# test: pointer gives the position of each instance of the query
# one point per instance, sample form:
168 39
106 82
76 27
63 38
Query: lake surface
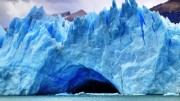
91 98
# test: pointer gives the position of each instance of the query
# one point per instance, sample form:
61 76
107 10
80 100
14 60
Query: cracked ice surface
137 50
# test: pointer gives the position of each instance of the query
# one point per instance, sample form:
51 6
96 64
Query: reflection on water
91 98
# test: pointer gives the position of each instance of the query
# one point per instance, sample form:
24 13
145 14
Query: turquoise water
91 98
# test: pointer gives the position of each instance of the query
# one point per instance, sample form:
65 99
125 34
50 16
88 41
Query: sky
19 8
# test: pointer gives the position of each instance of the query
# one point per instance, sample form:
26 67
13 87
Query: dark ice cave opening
94 86
88 80
75 79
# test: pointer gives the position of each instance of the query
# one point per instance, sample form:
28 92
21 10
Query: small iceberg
171 94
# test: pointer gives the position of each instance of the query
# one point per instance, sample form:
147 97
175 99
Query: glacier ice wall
137 50
2 34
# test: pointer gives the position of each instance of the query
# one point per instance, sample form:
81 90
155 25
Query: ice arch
75 79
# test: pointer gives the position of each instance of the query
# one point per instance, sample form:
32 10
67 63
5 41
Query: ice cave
79 79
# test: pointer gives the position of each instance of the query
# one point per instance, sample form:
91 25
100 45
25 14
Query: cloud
13 8
63 1
4 18
17 0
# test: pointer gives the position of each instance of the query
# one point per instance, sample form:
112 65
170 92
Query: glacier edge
137 50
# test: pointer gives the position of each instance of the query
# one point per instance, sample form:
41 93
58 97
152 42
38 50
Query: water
91 98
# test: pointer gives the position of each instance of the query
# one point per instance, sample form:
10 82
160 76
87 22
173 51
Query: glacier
2 34
133 48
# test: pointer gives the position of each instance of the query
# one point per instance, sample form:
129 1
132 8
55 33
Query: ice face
2 34
133 48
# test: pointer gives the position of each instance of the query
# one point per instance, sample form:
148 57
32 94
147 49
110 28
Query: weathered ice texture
2 34
134 49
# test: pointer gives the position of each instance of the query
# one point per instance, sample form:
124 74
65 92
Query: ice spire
36 13
114 4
